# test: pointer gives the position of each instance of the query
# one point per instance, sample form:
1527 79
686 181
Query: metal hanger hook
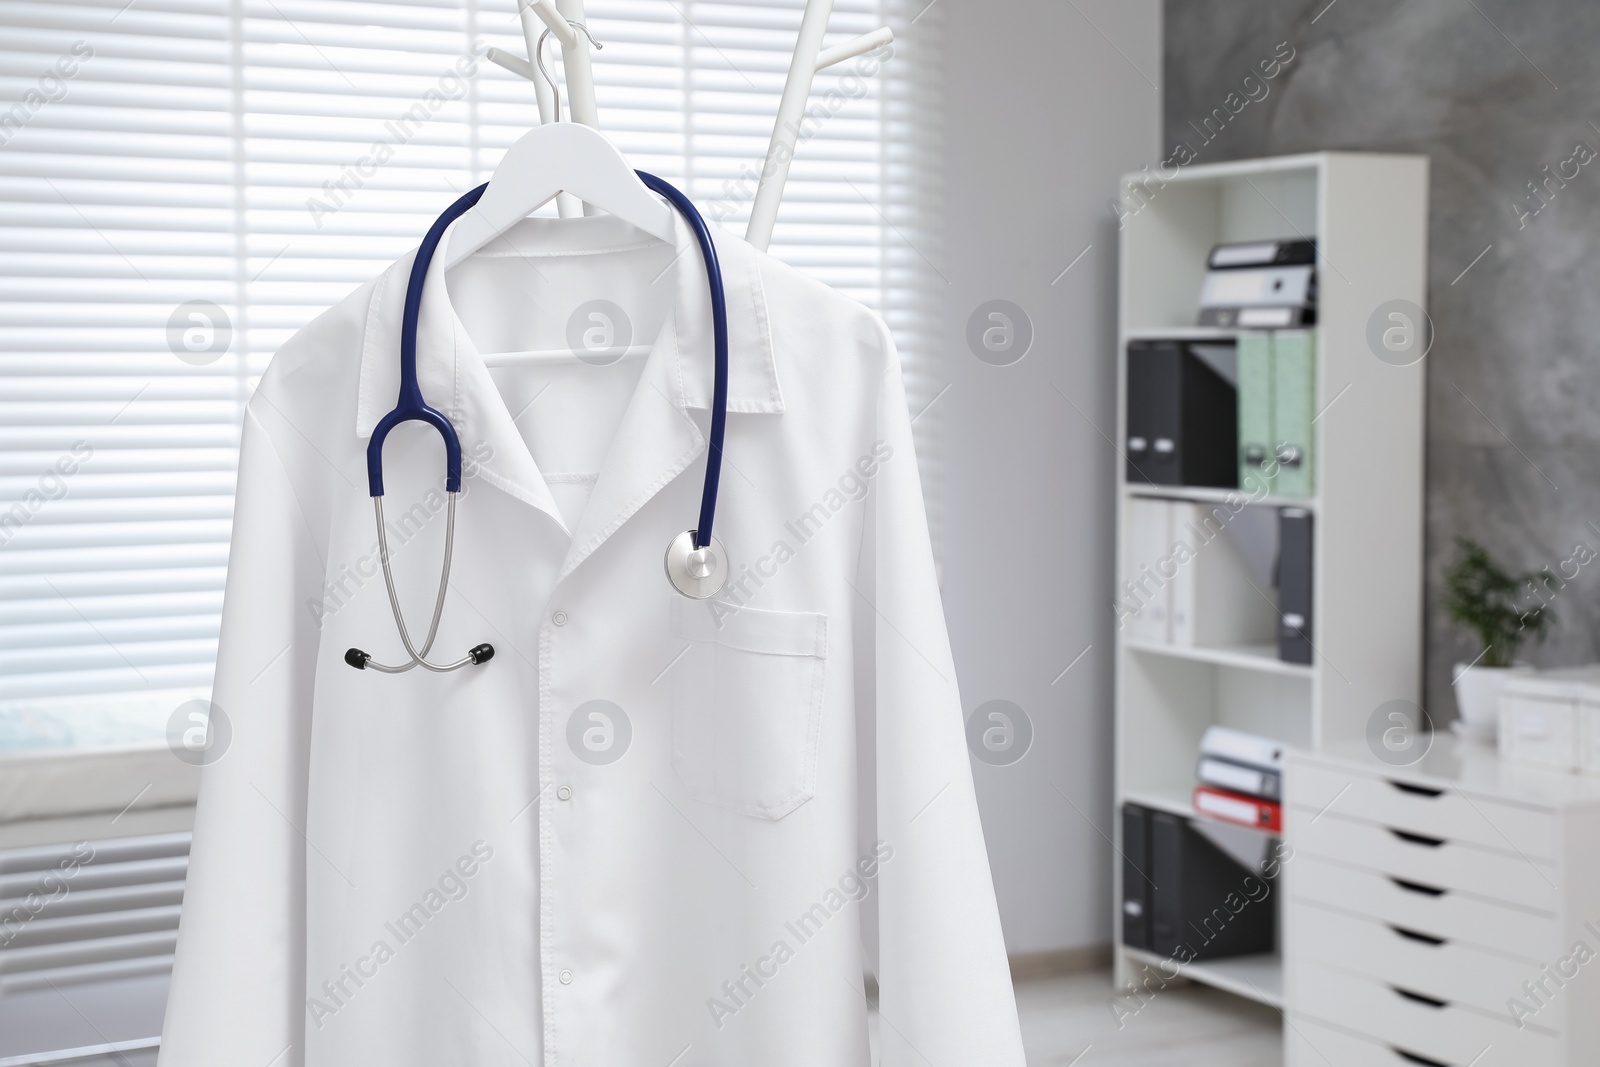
538 59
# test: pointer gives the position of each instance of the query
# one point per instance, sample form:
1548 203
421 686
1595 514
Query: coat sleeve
945 983
237 993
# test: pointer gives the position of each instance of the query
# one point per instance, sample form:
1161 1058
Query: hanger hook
538 59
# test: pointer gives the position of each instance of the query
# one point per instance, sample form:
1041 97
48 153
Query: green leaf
1502 610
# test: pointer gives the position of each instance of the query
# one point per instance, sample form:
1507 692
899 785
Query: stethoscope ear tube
478 654
719 334
410 407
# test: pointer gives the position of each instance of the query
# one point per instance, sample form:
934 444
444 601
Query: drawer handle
1420 999
1417 935
1412 1057
1417 839
1417 887
1416 791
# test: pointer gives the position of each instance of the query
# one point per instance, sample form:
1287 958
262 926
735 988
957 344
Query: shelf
1258 978
1179 804
1262 658
1173 803
1306 162
1208 495
1182 333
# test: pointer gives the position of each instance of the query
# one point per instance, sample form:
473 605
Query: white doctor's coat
649 831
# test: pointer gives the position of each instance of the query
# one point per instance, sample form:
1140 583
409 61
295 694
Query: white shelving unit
1207 495
1243 657
1368 214
1258 978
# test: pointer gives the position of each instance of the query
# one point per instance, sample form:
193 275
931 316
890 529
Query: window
185 183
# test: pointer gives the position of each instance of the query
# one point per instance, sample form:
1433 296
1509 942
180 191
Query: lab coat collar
679 370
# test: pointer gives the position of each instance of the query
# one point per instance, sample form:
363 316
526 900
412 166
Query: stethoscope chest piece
697 573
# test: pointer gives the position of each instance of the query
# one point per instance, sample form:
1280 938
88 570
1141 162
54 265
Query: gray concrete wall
1494 92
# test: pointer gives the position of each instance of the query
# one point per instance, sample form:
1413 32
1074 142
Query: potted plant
1483 598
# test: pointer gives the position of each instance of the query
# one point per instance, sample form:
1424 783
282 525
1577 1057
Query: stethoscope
696 563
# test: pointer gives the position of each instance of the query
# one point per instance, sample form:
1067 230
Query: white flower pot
1478 698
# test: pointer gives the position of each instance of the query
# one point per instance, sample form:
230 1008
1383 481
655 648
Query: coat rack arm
809 57
785 129
857 46
579 66
515 64
542 92
551 16
576 61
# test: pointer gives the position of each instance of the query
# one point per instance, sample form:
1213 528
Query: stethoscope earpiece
697 566
362 660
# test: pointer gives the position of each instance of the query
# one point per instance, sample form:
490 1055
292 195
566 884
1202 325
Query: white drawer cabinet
1311 1042
1497 874
1444 914
1425 908
1429 810
1442 968
1421 1026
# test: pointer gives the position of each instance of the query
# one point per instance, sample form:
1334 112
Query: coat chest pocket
747 705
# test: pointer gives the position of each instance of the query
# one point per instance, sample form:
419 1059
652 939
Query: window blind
185 183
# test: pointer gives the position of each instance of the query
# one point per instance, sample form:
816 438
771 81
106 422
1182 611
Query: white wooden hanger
809 58
557 157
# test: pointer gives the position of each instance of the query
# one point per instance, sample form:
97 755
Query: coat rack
560 16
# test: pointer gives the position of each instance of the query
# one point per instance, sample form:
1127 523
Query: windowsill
114 780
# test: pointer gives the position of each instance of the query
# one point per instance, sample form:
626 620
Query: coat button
566 977
564 792
559 618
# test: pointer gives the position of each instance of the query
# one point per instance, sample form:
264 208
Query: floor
1069 1022
1066 1022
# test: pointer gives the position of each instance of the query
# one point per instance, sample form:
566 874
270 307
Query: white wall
1043 112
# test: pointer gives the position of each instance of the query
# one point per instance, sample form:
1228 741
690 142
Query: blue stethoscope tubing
412 407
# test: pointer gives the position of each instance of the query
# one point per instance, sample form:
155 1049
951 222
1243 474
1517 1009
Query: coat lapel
453 379
664 428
